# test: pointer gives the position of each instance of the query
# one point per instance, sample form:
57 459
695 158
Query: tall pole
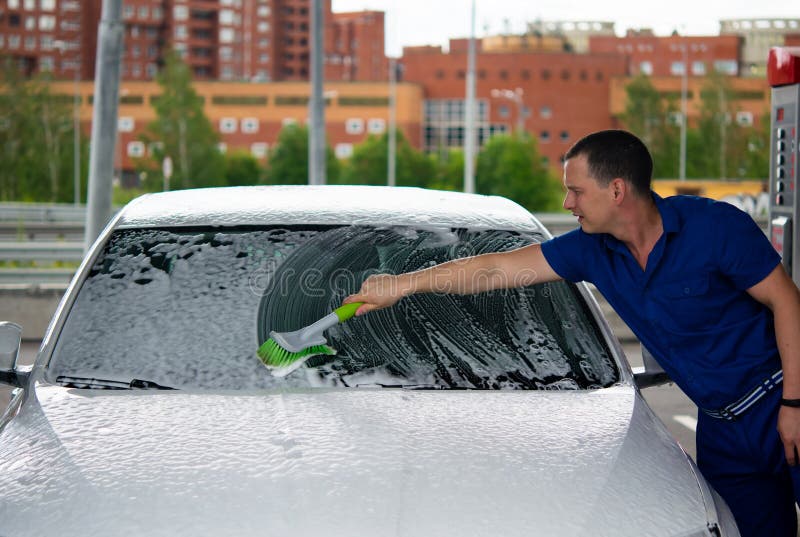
469 113
104 122
316 133
391 179
76 135
684 113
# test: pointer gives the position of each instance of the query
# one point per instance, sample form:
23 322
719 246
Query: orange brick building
557 96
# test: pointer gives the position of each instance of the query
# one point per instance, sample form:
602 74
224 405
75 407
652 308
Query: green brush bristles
282 362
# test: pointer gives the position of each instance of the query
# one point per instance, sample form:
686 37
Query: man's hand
789 429
377 292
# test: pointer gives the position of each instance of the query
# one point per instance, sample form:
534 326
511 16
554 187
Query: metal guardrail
35 276
41 212
52 252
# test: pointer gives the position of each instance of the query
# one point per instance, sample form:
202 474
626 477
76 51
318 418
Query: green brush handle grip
347 311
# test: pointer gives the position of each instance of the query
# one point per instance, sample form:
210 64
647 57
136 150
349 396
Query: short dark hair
616 153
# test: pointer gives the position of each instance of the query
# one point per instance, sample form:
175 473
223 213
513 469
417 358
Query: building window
13 4
47 5
503 75
263 42
503 111
677 68
545 74
354 126
125 124
45 62
225 53
564 136
288 121
13 41
152 70
343 151
545 112
128 11
699 68
565 74
226 35
727 67
263 11
584 75
30 42
227 73
250 125
181 32
226 16
30 23
181 13
263 57
525 74
136 70
227 125
30 5
157 13
263 27
646 68
136 149
144 12
376 125
744 118
440 74
259 149
544 136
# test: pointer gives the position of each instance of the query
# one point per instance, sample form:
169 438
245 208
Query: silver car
505 413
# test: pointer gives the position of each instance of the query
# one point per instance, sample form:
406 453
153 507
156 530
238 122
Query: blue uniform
690 309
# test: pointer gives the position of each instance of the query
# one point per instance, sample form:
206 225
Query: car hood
358 462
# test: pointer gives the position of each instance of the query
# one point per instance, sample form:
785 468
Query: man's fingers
791 453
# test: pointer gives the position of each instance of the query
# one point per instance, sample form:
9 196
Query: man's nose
568 202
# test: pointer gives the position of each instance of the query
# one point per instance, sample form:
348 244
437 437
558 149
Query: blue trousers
744 461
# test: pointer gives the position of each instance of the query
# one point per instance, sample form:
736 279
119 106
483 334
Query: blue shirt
689 306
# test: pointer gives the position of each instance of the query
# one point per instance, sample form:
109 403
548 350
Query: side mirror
651 373
10 338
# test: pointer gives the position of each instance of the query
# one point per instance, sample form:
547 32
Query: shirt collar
670 221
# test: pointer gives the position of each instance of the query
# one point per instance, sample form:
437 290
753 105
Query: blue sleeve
565 255
745 254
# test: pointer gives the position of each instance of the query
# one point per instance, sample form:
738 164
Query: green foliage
182 132
242 168
369 164
450 171
647 115
511 166
717 147
288 159
36 141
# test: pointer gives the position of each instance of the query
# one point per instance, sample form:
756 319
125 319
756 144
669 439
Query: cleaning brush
284 352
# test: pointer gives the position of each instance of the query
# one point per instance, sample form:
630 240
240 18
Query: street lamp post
514 95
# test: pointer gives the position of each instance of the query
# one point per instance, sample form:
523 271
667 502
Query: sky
433 22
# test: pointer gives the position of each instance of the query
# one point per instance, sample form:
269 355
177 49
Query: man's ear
619 188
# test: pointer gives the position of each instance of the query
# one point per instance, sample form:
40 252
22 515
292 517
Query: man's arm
516 268
779 293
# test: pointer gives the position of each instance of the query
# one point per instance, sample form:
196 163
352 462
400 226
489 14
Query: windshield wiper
411 386
102 384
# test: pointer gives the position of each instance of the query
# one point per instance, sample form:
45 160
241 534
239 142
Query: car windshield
188 308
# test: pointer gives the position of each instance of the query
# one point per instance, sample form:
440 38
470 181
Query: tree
450 171
511 166
648 115
36 140
182 132
242 168
288 159
369 164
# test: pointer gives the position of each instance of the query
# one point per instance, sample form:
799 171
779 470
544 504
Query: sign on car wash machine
783 73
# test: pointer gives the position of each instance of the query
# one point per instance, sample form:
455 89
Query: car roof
325 205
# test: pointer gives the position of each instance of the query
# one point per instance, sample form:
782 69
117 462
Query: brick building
256 40
248 116
650 55
557 96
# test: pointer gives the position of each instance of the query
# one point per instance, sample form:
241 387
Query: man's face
591 202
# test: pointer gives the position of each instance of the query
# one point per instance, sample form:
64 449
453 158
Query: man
702 288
